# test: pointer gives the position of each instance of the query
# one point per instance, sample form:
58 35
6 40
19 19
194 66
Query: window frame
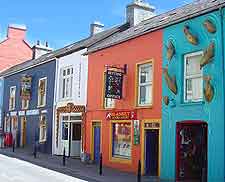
45 95
23 104
14 103
41 125
151 83
71 67
185 77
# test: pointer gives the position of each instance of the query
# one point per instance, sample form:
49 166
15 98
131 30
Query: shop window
193 78
43 129
65 130
109 103
42 89
145 84
12 98
25 104
76 131
66 82
121 144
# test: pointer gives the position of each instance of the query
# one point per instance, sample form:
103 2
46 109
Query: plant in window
208 90
171 82
210 27
207 55
190 37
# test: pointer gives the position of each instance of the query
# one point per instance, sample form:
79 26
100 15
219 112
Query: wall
131 52
44 70
1 98
212 113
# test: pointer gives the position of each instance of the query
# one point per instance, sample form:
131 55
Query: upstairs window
43 129
193 78
12 98
66 82
42 90
145 84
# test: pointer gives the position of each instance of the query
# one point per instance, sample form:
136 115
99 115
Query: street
14 170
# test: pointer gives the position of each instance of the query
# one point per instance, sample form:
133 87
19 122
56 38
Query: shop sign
44 111
33 112
121 115
136 132
114 84
25 91
21 113
14 113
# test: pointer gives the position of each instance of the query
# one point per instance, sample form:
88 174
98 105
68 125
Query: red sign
121 115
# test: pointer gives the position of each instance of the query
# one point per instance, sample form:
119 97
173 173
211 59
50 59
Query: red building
14 49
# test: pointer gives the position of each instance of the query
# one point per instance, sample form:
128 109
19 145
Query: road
14 170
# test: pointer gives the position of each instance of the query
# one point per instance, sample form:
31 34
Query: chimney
96 27
39 49
16 32
139 11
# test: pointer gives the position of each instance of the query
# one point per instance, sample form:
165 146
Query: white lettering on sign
13 113
44 111
21 113
33 112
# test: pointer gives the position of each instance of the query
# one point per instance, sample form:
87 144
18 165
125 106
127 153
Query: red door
191 151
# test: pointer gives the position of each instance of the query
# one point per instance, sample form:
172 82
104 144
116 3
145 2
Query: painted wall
1 98
79 93
212 113
131 52
44 70
14 49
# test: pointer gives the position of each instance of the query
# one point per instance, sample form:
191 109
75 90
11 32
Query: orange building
126 130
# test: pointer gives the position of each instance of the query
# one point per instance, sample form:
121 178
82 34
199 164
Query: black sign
114 84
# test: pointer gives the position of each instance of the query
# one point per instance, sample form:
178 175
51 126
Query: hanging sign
114 84
25 91
136 132
121 115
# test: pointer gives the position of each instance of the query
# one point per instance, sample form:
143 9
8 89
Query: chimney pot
96 27
46 44
38 42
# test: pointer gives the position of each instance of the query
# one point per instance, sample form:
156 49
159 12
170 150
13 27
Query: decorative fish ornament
171 82
166 100
190 37
210 27
208 90
170 51
207 55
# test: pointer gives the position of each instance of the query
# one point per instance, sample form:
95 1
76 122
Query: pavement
75 168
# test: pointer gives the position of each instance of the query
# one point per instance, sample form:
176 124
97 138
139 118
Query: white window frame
71 79
45 95
199 53
23 102
12 105
139 66
41 125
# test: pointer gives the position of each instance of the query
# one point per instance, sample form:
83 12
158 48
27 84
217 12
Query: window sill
120 160
41 106
42 142
192 103
144 107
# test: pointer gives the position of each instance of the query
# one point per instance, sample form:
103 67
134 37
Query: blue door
151 152
97 142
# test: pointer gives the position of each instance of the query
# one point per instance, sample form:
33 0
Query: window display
121 146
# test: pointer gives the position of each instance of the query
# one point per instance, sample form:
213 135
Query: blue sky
61 22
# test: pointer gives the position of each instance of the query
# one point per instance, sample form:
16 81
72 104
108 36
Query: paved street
14 170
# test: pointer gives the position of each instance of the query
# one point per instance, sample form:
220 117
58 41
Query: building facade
124 130
28 105
193 99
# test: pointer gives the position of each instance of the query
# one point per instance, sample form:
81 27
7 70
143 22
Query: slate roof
84 43
174 16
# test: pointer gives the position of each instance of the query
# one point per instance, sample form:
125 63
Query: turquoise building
193 99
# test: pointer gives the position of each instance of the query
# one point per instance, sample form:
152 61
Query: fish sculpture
166 100
190 37
210 27
208 90
171 82
207 55
170 51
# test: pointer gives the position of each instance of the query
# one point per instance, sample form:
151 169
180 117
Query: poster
136 132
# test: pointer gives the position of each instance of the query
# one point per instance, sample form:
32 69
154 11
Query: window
42 88
145 84
121 144
193 78
109 103
66 82
7 124
43 129
25 104
12 98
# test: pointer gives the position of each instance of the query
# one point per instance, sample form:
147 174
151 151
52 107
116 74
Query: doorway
191 150
151 152
23 131
96 141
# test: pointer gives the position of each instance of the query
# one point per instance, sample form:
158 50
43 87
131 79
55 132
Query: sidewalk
74 167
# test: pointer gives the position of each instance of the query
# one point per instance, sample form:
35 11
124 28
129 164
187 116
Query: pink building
14 49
